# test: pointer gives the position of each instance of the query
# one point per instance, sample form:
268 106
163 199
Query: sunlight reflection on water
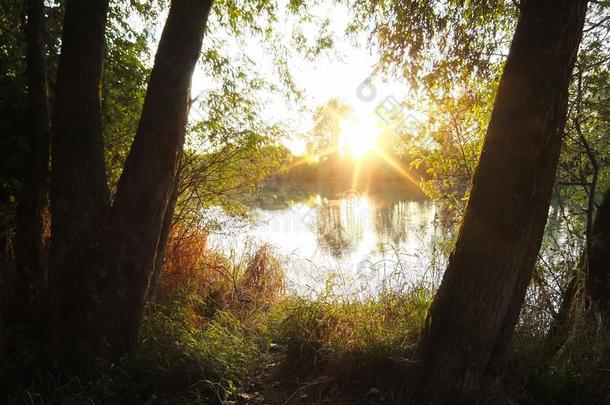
356 245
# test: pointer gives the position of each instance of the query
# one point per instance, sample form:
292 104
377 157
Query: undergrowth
180 359
365 338
217 326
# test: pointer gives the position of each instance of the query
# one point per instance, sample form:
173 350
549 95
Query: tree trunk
107 323
29 249
598 278
79 192
163 239
3 349
6 264
478 303
145 187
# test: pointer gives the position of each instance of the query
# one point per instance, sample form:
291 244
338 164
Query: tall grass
353 338
250 283
176 362
220 319
570 365
201 340
219 323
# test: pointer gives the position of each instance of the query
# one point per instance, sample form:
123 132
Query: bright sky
337 73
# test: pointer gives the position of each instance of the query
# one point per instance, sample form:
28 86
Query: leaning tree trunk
145 187
4 361
477 305
79 192
168 219
107 324
598 277
29 249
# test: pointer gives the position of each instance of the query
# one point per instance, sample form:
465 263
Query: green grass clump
185 354
369 338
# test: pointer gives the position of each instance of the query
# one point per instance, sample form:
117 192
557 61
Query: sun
297 146
358 136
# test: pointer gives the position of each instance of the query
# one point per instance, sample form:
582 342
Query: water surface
358 242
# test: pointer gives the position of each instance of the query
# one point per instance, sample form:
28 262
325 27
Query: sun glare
297 146
358 136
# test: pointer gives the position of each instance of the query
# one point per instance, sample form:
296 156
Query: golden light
358 136
297 146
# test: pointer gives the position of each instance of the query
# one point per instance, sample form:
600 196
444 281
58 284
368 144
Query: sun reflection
355 205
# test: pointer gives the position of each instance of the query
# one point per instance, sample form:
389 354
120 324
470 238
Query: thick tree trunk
79 192
3 350
145 187
479 300
29 249
598 277
4 293
107 323
163 239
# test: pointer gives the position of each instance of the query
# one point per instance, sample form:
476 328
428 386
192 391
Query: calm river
351 242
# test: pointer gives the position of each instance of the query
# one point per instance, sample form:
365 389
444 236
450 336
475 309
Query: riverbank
239 339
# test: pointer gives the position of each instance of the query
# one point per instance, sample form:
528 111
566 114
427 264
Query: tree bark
5 259
3 349
478 303
145 187
163 239
79 192
29 248
598 277
108 321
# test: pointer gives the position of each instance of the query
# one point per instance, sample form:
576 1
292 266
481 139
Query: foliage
583 172
13 110
582 175
449 145
229 148
125 76
439 44
324 138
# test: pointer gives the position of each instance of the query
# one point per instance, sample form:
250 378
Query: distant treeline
370 170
